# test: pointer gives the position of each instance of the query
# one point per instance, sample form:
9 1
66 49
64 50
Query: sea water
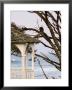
50 70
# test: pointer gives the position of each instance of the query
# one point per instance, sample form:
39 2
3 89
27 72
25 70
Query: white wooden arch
25 73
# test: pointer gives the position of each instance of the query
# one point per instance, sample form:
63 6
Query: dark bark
56 47
57 65
42 69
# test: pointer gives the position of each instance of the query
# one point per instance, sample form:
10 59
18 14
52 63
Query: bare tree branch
46 45
42 68
51 62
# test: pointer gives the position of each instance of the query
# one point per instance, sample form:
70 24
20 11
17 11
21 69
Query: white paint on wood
32 57
33 54
26 73
22 48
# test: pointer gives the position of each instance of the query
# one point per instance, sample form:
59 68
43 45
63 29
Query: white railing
22 74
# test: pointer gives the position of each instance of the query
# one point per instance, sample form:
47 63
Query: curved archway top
22 48
15 49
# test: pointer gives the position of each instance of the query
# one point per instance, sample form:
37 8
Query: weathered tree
53 25
52 20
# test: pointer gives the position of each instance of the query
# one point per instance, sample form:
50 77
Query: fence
22 73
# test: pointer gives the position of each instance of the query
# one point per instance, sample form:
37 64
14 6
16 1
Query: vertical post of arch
26 60
22 48
33 54
33 57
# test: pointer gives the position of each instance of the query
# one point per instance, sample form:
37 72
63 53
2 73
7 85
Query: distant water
48 68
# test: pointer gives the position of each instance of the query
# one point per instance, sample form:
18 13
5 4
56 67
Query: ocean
50 70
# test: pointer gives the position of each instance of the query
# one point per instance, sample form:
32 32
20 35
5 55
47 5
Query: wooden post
22 49
33 57
33 60
26 60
